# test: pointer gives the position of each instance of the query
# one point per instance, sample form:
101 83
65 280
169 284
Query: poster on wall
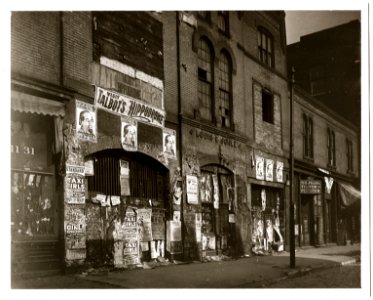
178 192
89 168
74 227
86 125
192 189
173 243
131 238
144 220
124 178
259 168
279 171
269 170
198 227
158 224
206 188
176 216
169 143
216 191
74 185
129 134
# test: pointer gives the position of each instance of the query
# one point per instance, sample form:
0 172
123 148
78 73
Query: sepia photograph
188 149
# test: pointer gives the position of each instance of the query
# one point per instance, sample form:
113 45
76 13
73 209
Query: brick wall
35 45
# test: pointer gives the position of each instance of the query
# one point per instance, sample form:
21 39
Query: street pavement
245 272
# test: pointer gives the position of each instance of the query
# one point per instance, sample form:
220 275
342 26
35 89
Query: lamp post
291 177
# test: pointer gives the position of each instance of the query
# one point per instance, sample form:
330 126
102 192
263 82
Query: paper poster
174 244
216 191
205 188
259 167
74 188
158 224
232 218
263 196
192 189
129 225
144 217
124 178
169 143
86 125
129 134
131 238
75 227
279 171
115 200
88 168
76 254
178 192
269 170
198 227
176 216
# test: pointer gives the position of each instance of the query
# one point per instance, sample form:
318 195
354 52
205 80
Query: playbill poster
169 143
129 134
86 122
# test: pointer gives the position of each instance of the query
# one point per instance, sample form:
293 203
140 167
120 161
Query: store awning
349 194
33 104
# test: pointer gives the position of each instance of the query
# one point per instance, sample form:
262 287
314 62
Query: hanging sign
328 184
216 191
269 170
123 105
85 120
192 189
169 143
259 167
129 134
279 171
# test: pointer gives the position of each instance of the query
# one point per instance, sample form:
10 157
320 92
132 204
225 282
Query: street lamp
291 177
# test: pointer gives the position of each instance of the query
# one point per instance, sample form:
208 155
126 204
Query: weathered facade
152 135
327 174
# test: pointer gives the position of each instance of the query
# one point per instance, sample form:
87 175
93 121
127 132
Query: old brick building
139 136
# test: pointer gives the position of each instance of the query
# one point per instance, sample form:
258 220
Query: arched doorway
217 205
124 185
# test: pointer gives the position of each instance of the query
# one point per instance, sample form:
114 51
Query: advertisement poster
130 236
74 185
123 105
76 254
75 227
169 143
158 224
178 192
124 178
192 189
279 171
129 134
269 170
88 168
206 188
231 218
198 227
86 125
176 215
115 200
259 167
174 244
144 219
216 191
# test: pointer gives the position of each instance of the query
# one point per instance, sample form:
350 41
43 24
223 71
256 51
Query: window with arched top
225 89
205 79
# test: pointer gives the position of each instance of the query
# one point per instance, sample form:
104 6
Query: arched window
225 89
205 79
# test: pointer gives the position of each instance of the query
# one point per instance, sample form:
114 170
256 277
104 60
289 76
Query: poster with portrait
259 168
192 189
279 171
129 134
169 143
215 184
85 120
269 170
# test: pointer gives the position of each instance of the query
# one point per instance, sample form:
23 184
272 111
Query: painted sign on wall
123 105
86 122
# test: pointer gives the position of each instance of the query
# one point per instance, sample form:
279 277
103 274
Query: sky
299 23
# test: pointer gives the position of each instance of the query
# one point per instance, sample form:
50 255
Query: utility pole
291 204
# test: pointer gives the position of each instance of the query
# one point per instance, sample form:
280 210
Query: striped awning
34 104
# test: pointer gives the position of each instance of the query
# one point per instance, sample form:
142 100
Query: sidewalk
247 272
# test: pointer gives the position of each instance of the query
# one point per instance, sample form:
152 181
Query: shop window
307 137
225 90
205 79
267 107
331 147
33 205
265 47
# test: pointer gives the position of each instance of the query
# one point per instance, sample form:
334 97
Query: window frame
307 133
225 88
223 15
265 52
268 117
331 148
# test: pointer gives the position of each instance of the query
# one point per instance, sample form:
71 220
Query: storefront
35 201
